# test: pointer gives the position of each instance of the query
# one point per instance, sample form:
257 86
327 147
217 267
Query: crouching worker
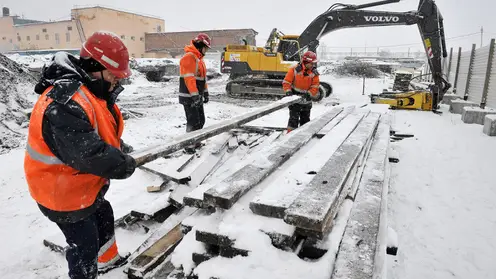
193 89
303 80
74 149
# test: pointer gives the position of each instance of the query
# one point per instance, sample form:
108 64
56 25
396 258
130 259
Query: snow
491 117
392 238
441 200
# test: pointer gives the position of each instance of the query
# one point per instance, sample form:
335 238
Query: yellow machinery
415 100
259 71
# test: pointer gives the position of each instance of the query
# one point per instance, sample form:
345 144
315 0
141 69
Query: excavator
257 72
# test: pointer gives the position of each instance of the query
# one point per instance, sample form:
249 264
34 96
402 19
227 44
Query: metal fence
471 74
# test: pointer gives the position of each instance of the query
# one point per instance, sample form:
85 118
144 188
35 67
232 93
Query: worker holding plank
74 149
303 79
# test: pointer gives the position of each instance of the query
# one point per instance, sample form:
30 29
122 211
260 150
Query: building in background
18 34
171 44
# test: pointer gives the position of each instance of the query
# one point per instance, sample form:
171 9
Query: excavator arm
427 17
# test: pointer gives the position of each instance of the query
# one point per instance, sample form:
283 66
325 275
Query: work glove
130 166
196 101
205 97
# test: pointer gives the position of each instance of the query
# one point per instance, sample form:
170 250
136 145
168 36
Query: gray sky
290 16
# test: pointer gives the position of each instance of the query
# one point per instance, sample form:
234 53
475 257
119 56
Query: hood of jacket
191 48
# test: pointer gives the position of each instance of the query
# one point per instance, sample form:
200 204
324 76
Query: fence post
488 74
449 64
469 75
457 69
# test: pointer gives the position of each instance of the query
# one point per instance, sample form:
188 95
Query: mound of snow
16 96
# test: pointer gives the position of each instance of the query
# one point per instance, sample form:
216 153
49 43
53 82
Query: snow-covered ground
441 195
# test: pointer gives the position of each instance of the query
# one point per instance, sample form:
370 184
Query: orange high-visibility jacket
54 184
297 80
193 74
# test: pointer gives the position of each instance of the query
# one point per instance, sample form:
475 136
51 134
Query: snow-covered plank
317 204
149 154
172 176
197 176
228 191
159 245
278 196
361 254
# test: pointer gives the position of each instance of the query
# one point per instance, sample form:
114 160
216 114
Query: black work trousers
195 117
85 238
299 115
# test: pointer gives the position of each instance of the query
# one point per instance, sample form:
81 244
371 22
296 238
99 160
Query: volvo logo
382 18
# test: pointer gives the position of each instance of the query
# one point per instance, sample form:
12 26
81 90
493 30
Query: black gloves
205 97
196 101
130 167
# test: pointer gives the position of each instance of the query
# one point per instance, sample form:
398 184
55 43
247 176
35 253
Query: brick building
172 43
19 34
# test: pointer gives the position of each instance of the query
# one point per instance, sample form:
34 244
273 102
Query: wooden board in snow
278 196
152 153
362 251
316 206
229 190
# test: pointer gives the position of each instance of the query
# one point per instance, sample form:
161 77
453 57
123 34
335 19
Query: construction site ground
440 200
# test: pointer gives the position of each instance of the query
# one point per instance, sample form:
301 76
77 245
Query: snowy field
441 201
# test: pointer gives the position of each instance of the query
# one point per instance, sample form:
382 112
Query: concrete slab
490 125
473 115
447 98
457 106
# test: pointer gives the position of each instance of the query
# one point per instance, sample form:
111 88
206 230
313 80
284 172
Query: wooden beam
178 179
316 206
149 154
228 191
361 244
278 196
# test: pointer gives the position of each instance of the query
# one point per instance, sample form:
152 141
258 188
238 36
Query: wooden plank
277 197
149 154
360 245
197 176
317 204
228 191
176 177
159 245
181 163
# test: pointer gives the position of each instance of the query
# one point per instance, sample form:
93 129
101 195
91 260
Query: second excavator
257 72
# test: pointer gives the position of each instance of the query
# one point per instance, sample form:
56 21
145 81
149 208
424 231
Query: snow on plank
152 153
278 196
197 176
195 197
360 245
159 245
318 203
227 192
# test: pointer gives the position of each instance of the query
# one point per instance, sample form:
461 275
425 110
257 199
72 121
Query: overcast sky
462 17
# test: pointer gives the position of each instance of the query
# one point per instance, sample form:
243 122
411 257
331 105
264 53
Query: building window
142 39
142 56
67 37
28 38
69 28
37 37
132 38
123 37
44 30
4 38
57 39
18 38
159 28
47 37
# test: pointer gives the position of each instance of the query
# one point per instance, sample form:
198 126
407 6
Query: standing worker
303 79
74 149
193 89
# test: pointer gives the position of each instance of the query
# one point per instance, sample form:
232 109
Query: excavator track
263 89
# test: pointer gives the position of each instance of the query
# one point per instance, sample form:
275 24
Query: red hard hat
108 49
204 38
309 57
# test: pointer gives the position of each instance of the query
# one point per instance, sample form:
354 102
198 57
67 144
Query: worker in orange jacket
74 148
303 80
193 88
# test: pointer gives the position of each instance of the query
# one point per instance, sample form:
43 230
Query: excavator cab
290 49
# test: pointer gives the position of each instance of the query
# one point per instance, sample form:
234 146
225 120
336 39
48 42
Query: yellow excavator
257 72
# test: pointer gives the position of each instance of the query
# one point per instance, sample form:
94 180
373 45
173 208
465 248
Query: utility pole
482 35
